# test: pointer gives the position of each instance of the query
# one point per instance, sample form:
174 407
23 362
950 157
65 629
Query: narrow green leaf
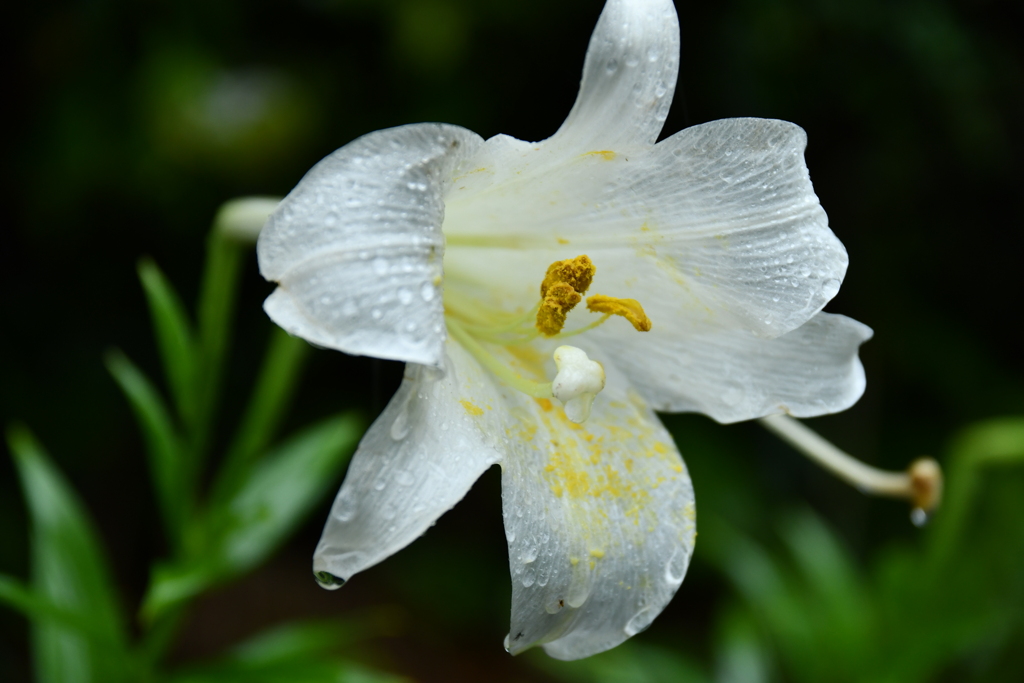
173 335
167 465
217 297
285 487
40 609
274 389
69 573
990 443
631 662
269 505
315 670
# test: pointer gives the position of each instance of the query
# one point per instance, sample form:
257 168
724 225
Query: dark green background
125 135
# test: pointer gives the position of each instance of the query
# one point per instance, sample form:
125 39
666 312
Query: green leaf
268 506
69 574
174 337
217 296
167 464
990 443
274 388
310 671
287 485
631 662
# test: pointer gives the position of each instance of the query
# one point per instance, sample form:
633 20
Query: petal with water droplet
608 522
621 94
348 265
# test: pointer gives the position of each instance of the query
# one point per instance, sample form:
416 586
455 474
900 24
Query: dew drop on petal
733 395
529 577
328 580
829 288
640 621
675 568
427 291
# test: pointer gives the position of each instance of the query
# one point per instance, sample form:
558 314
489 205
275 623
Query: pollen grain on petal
630 309
471 408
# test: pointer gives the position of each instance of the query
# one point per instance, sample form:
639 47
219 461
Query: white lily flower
427 244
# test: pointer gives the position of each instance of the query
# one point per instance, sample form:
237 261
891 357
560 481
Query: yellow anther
563 287
630 309
578 273
560 299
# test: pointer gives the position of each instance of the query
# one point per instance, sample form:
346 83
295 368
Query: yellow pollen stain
630 309
472 408
545 404
629 464
563 287
597 553
660 448
605 154
562 240
592 565
574 561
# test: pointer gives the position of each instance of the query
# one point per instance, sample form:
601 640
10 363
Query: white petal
600 521
737 224
718 226
733 376
628 78
416 462
357 246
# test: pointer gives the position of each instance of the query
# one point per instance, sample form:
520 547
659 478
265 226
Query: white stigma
578 381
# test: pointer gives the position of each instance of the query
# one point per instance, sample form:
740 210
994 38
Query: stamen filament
502 371
585 328
921 483
520 331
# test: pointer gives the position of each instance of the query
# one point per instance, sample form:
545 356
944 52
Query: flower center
490 335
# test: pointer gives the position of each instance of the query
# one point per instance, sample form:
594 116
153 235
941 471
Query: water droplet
380 266
404 296
427 291
529 577
344 507
400 427
733 395
612 66
918 517
377 314
507 649
653 55
632 60
530 555
381 483
675 568
404 478
829 288
579 591
328 580
640 621
331 219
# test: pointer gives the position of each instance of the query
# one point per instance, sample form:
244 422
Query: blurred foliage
133 122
